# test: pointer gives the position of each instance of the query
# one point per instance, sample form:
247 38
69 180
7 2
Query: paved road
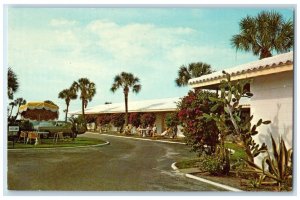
124 165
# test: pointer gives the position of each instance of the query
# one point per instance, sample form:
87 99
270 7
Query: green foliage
78 123
26 126
216 165
126 81
201 135
265 33
277 166
231 93
12 83
172 119
193 70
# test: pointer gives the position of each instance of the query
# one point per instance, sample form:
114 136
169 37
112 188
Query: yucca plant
278 166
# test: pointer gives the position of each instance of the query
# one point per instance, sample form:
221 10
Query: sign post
12 133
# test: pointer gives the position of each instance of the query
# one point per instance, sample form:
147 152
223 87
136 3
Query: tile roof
265 63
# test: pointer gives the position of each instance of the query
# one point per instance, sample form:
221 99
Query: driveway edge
55 148
145 139
226 187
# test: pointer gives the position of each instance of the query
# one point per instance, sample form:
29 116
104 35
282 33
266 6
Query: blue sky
49 48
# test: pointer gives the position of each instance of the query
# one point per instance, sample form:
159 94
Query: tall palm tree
193 70
12 83
126 81
67 95
87 91
19 102
263 34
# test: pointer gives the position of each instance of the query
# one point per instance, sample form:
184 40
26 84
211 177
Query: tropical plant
18 102
135 119
87 92
193 70
215 165
263 34
117 119
13 83
277 166
229 101
26 125
200 134
67 95
148 119
77 124
126 81
172 119
103 119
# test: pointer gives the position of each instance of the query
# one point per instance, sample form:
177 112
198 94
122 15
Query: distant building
160 107
272 86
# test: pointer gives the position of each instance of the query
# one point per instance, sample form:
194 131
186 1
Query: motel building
272 87
159 107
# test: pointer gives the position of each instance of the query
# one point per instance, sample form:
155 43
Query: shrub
90 118
215 165
172 119
103 119
26 126
117 119
148 118
135 119
200 133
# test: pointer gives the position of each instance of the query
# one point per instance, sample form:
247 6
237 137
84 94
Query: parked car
53 127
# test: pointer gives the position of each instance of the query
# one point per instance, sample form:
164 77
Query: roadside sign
13 128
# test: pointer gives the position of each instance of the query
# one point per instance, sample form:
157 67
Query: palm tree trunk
83 115
67 113
12 107
126 106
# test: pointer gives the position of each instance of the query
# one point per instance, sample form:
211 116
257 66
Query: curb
57 148
162 141
226 187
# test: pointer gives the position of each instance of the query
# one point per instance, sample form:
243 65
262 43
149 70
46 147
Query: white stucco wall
273 100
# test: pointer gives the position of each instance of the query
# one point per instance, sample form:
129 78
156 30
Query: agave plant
278 166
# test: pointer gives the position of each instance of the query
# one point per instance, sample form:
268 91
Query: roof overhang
213 83
271 65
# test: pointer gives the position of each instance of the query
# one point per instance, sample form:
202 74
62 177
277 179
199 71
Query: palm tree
126 81
13 83
19 102
67 95
87 91
264 34
12 104
193 70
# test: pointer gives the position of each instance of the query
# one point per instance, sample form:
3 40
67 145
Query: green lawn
48 143
238 155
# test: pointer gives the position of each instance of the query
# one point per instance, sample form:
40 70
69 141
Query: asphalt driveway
124 165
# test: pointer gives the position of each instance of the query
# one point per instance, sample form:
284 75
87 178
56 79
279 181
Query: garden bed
237 178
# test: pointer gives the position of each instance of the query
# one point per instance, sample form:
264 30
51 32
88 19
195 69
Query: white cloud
62 22
136 41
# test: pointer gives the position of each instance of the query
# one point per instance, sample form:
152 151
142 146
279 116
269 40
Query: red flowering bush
201 135
103 119
148 118
135 119
118 120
